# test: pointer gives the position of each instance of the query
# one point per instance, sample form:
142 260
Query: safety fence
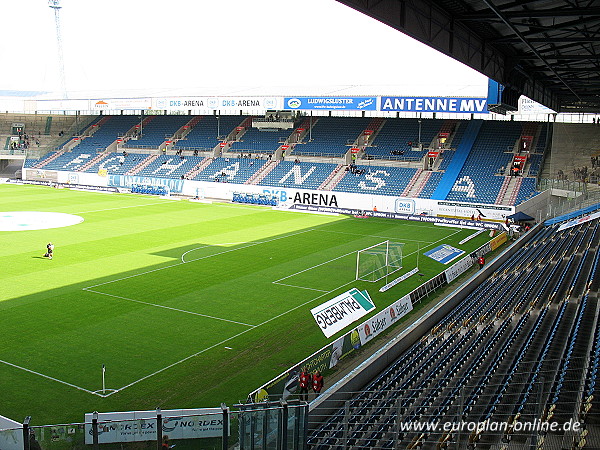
552 413
277 426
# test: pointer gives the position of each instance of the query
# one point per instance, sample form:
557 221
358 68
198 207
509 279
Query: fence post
225 411
539 413
159 428
95 444
284 424
346 424
305 437
26 433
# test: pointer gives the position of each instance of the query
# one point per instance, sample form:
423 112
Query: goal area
378 261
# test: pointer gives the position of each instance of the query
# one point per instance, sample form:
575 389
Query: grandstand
518 343
481 175
513 350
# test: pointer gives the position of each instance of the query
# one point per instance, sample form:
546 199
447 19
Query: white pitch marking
169 307
239 334
299 287
198 259
48 377
122 207
206 349
179 362
211 245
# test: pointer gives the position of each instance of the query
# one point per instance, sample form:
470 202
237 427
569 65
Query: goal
378 261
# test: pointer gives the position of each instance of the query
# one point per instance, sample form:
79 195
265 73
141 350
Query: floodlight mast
55 5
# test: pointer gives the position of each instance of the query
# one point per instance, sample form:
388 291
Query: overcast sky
183 47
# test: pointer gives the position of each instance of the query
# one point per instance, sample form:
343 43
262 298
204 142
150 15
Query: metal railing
452 413
277 426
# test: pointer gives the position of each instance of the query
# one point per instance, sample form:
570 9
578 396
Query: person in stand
317 383
33 442
165 443
304 380
481 262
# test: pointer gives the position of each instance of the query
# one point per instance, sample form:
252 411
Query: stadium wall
288 198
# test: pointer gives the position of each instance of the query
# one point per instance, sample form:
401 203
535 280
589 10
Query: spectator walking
317 383
304 380
481 262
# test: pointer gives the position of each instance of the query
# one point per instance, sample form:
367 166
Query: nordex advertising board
339 312
136 426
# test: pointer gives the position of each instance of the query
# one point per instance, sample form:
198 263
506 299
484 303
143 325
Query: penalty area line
170 308
299 287
200 258
178 362
48 377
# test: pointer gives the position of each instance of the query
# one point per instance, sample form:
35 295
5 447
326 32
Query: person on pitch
49 250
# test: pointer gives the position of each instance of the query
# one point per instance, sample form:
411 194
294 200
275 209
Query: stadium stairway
198 168
261 173
333 179
99 157
147 161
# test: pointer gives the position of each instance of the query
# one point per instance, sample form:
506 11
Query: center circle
36 220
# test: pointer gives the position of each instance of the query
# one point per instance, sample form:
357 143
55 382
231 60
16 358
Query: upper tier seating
332 136
257 141
157 130
208 131
90 146
403 135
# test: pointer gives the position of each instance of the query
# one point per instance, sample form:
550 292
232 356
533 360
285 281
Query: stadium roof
547 50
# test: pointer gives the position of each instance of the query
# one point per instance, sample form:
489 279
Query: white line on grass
48 377
121 207
245 331
169 307
350 253
177 362
299 287
249 329
209 245
389 238
198 259
314 267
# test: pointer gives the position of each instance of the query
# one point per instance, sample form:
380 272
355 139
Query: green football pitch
186 304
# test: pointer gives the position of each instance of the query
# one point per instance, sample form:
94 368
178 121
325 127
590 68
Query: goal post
378 261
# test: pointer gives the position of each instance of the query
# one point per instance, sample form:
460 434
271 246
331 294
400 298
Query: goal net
376 262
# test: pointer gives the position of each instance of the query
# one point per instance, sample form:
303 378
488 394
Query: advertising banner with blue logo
465 105
329 103
128 181
134 426
444 253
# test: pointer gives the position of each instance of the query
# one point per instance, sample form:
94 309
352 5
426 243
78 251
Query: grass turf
186 304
